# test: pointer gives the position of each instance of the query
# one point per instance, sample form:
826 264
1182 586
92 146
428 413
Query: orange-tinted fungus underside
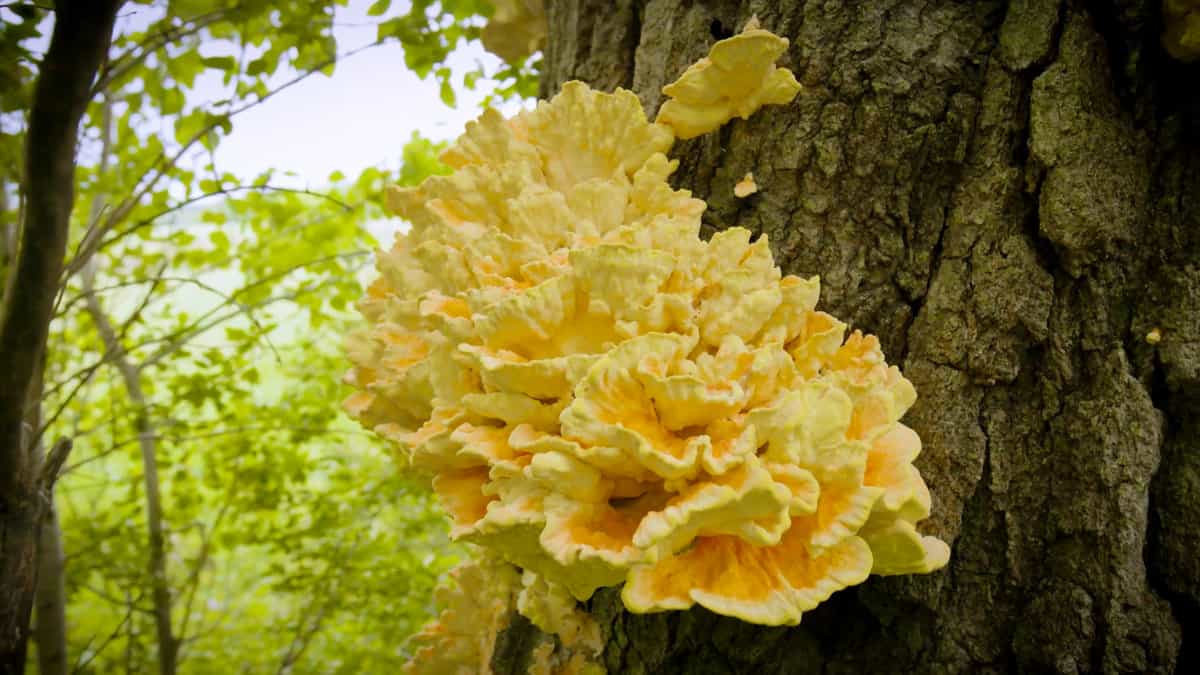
603 528
628 406
462 495
888 458
729 572
724 566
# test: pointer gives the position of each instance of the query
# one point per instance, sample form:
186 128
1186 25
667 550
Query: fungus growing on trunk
475 601
745 187
603 397
738 77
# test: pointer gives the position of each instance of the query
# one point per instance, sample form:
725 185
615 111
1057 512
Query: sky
360 116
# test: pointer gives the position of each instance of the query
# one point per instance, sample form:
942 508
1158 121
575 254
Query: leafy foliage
291 543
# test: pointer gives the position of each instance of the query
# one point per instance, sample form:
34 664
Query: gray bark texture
50 600
1008 195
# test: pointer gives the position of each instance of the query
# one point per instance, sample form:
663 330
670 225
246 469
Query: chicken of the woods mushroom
602 397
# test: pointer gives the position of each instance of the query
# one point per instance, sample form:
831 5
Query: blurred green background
228 198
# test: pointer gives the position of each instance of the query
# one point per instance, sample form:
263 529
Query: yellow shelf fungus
552 609
603 397
745 187
737 77
475 602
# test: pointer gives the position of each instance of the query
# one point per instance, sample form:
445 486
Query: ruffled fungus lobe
475 600
552 609
516 29
1181 29
737 77
604 397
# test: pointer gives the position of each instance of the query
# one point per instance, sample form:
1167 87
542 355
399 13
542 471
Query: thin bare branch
203 323
183 438
81 297
192 584
168 646
145 222
121 65
86 655
163 164
178 339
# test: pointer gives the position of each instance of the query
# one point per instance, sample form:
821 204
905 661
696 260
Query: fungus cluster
475 602
602 397
737 77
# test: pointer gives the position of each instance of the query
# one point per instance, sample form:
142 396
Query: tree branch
87 654
82 32
108 356
223 191
162 165
176 341
137 55
167 644
52 467
193 581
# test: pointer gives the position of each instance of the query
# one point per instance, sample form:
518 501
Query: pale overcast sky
360 116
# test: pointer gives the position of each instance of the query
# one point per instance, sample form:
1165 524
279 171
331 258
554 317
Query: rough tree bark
82 32
50 614
1008 195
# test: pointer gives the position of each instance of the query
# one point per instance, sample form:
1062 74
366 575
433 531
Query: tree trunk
1008 195
82 33
50 615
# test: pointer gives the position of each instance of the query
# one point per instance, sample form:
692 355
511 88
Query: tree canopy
218 514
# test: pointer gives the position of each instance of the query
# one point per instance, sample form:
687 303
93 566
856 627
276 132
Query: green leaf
389 29
189 9
219 240
379 7
257 66
219 62
222 30
446 92
26 12
172 102
184 67
189 125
